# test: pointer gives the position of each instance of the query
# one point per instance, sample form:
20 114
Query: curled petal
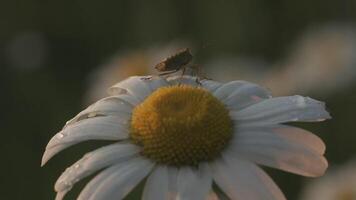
119 106
211 85
92 162
138 86
98 128
237 95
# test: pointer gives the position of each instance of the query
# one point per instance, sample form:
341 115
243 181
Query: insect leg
170 72
197 72
200 73
181 76
183 71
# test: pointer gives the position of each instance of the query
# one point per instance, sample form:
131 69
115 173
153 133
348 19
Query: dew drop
68 184
294 119
60 136
93 114
300 102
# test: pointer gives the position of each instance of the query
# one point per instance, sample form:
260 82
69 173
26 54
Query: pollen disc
181 125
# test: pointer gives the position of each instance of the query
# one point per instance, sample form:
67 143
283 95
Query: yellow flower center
181 125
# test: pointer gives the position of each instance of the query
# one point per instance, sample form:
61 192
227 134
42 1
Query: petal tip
44 160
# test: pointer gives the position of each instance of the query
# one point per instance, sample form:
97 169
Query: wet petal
98 128
280 110
92 162
135 85
117 181
118 106
241 179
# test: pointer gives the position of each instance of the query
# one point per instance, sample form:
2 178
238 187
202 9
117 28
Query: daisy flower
182 137
325 56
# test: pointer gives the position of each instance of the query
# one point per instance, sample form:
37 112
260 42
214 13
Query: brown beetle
179 61
175 62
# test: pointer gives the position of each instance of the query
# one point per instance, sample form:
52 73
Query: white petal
286 148
187 80
277 134
156 187
114 105
172 183
130 99
235 87
156 82
280 110
211 85
241 179
92 162
93 184
117 181
194 184
134 85
237 95
98 128
60 195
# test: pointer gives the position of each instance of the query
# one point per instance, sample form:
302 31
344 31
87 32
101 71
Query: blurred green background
48 49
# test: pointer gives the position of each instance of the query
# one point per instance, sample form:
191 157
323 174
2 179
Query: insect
179 61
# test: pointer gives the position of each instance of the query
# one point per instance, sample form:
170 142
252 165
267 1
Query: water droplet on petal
68 184
93 114
60 136
300 101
